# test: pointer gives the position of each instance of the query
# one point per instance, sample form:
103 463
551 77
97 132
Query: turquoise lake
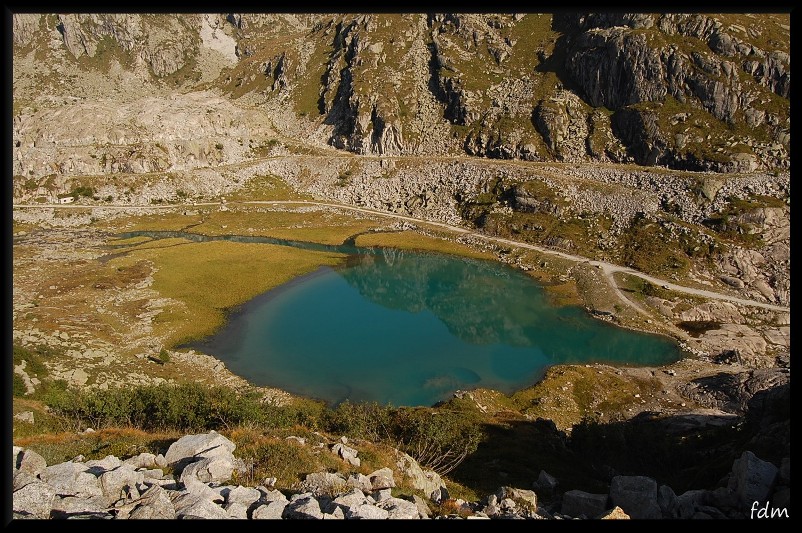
410 329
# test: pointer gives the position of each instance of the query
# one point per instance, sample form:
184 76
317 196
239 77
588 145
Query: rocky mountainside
98 93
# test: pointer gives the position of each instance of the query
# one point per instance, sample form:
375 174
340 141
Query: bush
83 191
17 385
438 439
368 421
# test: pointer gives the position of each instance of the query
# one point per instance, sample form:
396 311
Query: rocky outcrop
732 391
636 495
138 488
449 83
151 135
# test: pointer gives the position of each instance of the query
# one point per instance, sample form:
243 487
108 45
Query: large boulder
367 511
246 496
303 506
546 482
189 505
34 500
217 469
578 503
324 483
203 445
143 460
527 496
352 498
272 510
98 466
28 461
426 481
73 506
636 495
155 503
72 479
752 479
382 479
359 481
346 453
399 509
667 500
117 483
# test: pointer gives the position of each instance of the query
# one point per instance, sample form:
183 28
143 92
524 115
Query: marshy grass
207 278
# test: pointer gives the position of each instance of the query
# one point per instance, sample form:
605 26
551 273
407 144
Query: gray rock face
143 460
636 495
210 444
324 483
116 483
346 453
752 479
34 500
423 480
688 502
29 462
246 496
667 500
359 481
98 466
72 479
733 391
352 498
524 495
273 510
155 503
367 511
382 479
399 509
73 506
303 506
122 492
580 503
217 469
423 507
189 505
546 482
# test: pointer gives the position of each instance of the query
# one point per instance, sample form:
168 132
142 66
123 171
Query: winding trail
608 269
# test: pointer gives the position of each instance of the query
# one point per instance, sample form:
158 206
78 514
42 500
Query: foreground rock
136 489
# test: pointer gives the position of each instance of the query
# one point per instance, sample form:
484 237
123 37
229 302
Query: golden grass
321 225
120 442
210 277
409 240
169 220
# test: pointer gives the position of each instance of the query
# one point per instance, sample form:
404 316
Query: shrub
438 439
17 385
368 421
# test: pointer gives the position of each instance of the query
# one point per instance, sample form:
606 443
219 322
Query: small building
66 200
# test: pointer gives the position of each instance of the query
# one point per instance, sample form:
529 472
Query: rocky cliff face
699 92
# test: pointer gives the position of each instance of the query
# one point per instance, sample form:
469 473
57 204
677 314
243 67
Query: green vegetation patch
268 187
649 247
569 393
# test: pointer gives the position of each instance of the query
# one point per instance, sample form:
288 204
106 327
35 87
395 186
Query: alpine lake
410 328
